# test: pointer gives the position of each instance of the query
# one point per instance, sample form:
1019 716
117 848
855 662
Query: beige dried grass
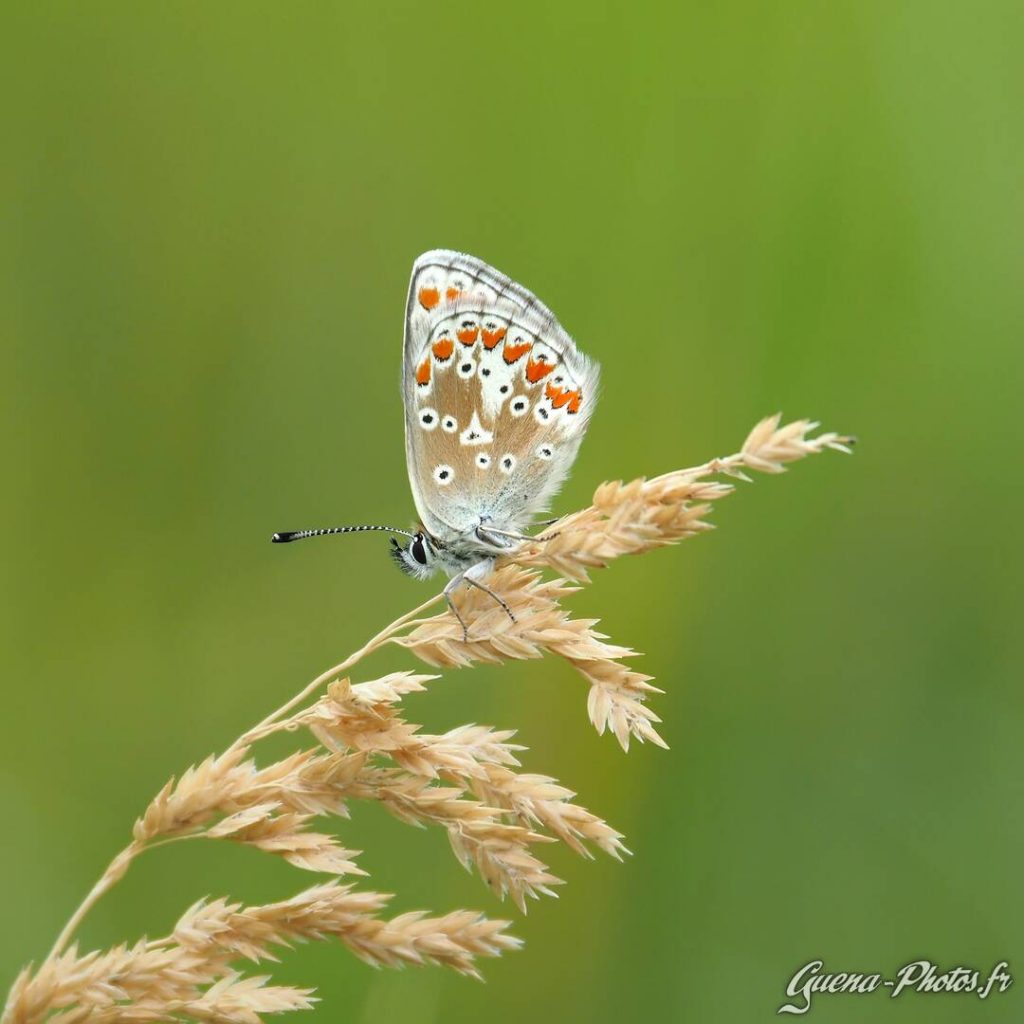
466 781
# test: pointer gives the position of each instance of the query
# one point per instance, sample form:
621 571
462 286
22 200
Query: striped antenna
288 536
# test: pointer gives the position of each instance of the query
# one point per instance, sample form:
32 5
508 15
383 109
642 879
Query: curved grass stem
117 868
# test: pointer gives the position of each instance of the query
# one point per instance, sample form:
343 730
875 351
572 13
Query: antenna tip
282 538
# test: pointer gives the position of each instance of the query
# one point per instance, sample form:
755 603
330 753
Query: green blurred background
209 213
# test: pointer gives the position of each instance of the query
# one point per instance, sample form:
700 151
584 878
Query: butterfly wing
497 397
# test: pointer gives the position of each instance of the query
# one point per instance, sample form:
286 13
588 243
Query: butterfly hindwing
497 397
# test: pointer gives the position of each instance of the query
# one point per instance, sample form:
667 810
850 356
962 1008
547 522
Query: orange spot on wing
491 338
423 373
443 348
569 398
553 392
429 297
514 352
537 369
452 294
467 335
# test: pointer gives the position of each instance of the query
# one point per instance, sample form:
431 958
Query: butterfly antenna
288 536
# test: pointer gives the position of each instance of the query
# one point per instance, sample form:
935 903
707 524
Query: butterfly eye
418 549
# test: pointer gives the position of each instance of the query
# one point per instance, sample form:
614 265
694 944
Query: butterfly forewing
497 397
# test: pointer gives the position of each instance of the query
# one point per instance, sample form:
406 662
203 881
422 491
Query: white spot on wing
475 433
443 475
519 406
429 419
507 463
496 376
449 424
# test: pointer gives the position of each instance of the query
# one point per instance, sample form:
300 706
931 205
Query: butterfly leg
487 590
449 587
517 536
470 577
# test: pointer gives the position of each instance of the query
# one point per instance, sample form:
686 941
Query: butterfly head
417 558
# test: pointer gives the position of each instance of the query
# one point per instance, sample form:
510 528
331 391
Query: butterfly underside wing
497 397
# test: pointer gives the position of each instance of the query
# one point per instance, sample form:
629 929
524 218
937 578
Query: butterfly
497 399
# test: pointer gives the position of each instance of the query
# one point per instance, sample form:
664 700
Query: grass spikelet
350 916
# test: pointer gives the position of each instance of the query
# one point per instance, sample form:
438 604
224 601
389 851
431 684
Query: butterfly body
497 399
